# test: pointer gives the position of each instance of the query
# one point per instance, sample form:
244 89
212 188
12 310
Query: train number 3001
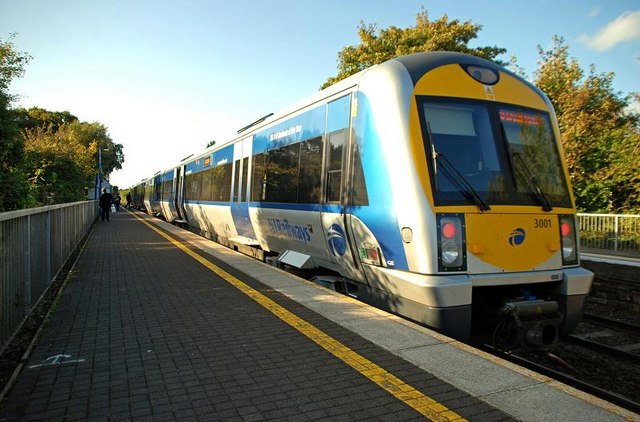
542 223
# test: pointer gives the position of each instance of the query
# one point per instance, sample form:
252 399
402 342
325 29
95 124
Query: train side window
236 177
167 189
335 153
359 189
310 173
221 181
205 190
157 191
259 183
193 186
282 176
338 114
245 181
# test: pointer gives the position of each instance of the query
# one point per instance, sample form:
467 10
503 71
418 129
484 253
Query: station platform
611 259
156 323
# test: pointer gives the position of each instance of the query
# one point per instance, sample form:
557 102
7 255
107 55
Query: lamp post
99 171
99 177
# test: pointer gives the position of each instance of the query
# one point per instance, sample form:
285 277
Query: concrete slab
542 402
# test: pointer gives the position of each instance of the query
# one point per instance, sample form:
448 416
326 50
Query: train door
240 189
334 218
178 198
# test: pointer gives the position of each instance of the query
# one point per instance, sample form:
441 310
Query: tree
600 135
14 190
55 163
62 154
377 46
39 117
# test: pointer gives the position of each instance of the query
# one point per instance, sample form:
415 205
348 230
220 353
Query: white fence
614 232
34 246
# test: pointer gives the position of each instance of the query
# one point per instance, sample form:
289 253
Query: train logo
336 240
517 236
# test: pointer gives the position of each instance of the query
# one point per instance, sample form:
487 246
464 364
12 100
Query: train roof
417 64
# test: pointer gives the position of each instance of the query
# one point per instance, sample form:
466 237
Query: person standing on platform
116 202
105 204
129 200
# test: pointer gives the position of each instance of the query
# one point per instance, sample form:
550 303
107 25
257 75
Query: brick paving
143 332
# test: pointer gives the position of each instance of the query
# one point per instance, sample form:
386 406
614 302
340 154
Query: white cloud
594 12
624 28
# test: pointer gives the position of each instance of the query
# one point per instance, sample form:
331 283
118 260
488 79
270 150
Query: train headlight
450 253
451 242
483 74
569 240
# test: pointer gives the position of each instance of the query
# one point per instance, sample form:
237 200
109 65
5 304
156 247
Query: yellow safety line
398 388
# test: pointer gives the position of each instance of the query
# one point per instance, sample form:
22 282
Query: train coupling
527 325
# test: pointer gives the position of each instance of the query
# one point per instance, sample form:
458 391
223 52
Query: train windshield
487 153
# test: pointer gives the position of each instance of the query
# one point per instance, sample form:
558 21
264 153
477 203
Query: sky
168 76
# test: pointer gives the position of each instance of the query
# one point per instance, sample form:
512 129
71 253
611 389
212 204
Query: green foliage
53 162
62 154
600 135
14 191
12 65
377 46
37 117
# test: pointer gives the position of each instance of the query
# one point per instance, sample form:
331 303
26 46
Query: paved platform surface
611 259
147 329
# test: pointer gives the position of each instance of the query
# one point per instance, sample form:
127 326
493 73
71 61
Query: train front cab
501 237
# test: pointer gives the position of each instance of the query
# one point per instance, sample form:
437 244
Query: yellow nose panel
513 242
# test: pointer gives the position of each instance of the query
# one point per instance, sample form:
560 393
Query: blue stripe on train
379 215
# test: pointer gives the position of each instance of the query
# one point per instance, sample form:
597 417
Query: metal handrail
614 232
35 244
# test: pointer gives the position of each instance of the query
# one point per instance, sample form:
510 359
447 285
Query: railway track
602 357
564 377
614 338
611 323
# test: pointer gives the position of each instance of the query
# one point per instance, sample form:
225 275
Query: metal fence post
615 230
27 266
47 237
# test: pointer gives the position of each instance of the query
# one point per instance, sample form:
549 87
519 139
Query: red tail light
451 243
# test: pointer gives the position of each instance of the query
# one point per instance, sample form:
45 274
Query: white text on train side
284 133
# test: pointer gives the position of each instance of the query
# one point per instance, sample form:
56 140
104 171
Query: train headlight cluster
451 242
569 240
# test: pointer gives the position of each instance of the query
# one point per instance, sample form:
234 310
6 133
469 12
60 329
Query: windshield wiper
461 182
533 183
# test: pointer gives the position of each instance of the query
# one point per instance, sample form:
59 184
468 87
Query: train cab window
486 153
533 154
462 146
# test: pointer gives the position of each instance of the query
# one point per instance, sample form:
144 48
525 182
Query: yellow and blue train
432 185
